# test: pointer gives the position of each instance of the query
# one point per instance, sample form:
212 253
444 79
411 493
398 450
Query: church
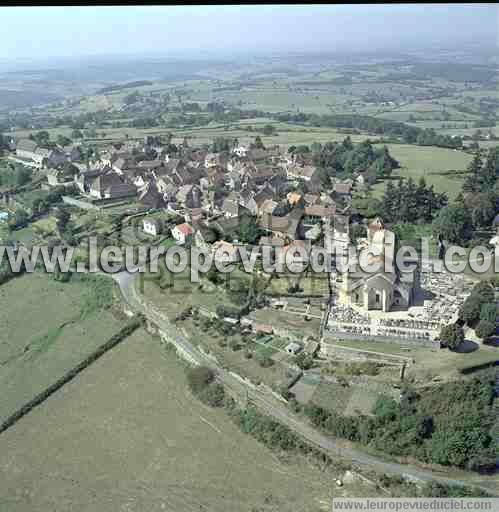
387 288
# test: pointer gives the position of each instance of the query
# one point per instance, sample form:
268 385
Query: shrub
199 377
488 312
485 329
451 336
98 293
304 361
471 311
234 345
213 395
364 368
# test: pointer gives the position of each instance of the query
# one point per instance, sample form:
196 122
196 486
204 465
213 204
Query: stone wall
331 349
401 335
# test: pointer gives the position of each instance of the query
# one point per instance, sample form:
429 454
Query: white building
241 150
293 348
182 233
151 226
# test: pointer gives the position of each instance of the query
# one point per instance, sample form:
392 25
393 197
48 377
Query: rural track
275 408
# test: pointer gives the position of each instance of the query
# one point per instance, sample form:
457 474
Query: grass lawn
311 283
361 400
440 167
44 334
25 235
378 346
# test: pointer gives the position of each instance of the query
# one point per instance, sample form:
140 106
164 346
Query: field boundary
112 342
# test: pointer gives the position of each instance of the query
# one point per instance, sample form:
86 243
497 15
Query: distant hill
120 87
14 99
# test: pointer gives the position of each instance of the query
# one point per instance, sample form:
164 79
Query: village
248 257
248 195
340 337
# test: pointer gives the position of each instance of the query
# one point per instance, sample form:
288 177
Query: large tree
62 219
482 177
452 336
485 329
248 229
453 224
476 307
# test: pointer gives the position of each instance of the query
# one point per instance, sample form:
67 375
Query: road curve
274 407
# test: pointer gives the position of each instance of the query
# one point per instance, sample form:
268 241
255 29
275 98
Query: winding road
272 406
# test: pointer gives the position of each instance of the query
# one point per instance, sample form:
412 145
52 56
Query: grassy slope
43 335
435 164
129 434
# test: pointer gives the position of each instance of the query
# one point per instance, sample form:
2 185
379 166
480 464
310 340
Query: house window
378 298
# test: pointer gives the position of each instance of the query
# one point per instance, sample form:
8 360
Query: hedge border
117 338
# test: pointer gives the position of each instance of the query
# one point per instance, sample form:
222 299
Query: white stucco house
182 233
151 226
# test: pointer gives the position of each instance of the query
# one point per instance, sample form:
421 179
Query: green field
286 134
128 435
440 167
44 334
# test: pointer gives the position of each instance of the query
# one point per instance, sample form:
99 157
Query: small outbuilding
293 348
151 226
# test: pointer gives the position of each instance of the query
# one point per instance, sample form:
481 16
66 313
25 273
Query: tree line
473 210
393 429
408 202
377 126
479 310
448 425
345 158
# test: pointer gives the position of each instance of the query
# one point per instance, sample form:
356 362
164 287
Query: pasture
443 168
47 328
130 436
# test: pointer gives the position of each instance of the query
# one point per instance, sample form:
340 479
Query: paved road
270 404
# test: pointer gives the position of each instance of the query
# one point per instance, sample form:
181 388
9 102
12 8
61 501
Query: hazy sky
35 32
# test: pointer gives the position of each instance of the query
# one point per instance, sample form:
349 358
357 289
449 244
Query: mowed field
441 167
127 435
44 334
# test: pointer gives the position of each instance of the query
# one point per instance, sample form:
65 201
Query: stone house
111 186
151 197
299 172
